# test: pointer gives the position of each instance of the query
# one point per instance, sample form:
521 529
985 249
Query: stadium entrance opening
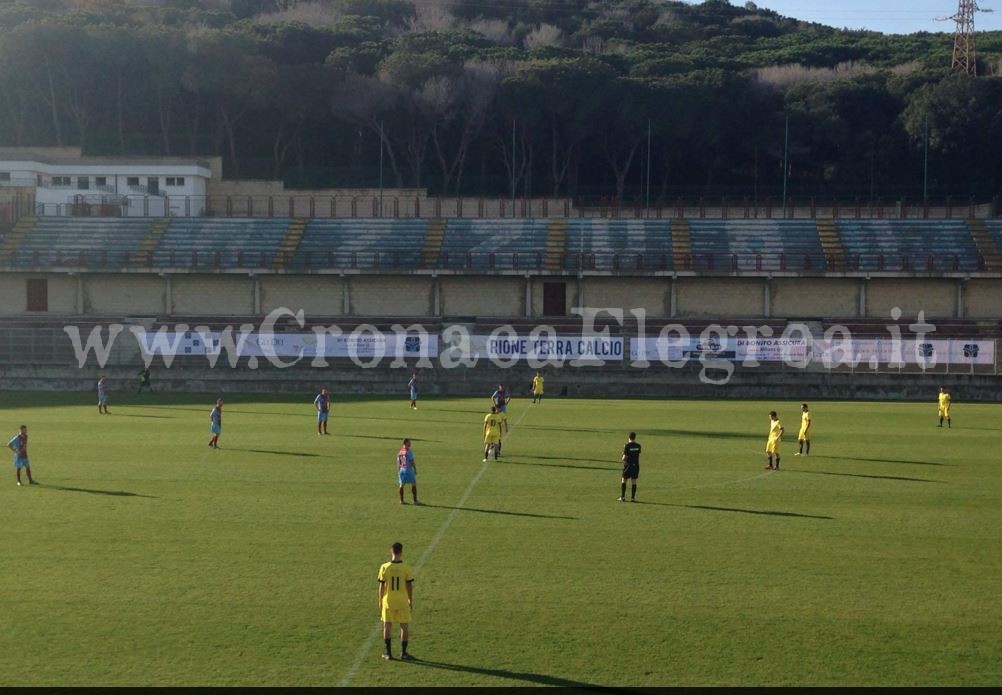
554 299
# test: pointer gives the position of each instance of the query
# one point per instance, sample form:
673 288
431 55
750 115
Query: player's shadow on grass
736 510
393 438
278 453
866 460
874 477
652 433
537 678
110 493
498 511
558 465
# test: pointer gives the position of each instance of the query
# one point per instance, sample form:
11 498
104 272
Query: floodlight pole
647 201
786 160
380 168
513 180
925 163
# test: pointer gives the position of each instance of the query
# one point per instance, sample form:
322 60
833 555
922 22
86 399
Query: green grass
146 558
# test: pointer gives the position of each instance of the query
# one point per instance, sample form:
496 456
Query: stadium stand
756 245
908 245
494 244
201 242
361 243
618 245
80 242
606 244
988 236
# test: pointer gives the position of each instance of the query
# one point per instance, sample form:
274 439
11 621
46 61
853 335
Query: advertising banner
364 344
560 347
673 348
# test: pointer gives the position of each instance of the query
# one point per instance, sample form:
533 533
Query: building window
60 181
132 181
175 180
101 181
83 183
4 177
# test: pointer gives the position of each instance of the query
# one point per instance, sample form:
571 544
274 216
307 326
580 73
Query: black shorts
631 472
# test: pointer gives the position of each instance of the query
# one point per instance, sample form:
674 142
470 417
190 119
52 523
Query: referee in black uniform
631 467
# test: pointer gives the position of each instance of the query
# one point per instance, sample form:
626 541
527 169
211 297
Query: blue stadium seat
361 243
619 244
747 245
494 243
81 241
225 243
908 245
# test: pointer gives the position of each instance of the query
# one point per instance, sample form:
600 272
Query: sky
888 16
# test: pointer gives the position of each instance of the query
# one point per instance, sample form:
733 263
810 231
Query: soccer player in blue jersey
216 423
500 399
412 385
19 445
323 406
406 471
102 395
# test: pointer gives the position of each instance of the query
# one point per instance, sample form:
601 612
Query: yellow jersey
774 430
944 400
395 576
492 424
537 385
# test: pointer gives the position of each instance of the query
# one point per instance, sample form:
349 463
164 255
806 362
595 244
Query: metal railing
410 259
423 206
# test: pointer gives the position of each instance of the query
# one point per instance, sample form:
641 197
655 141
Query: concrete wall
719 297
983 299
14 293
123 294
628 293
389 295
814 298
212 294
471 296
937 298
318 295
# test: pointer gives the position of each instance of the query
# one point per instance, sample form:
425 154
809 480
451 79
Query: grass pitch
145 558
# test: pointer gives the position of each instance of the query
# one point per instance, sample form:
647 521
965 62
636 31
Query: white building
65 183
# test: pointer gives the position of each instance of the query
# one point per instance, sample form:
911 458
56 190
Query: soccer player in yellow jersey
944 407
775 437
503 417
492 433
805 430
537 387
396 599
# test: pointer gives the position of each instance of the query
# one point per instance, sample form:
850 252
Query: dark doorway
153 185
38 295
554 299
